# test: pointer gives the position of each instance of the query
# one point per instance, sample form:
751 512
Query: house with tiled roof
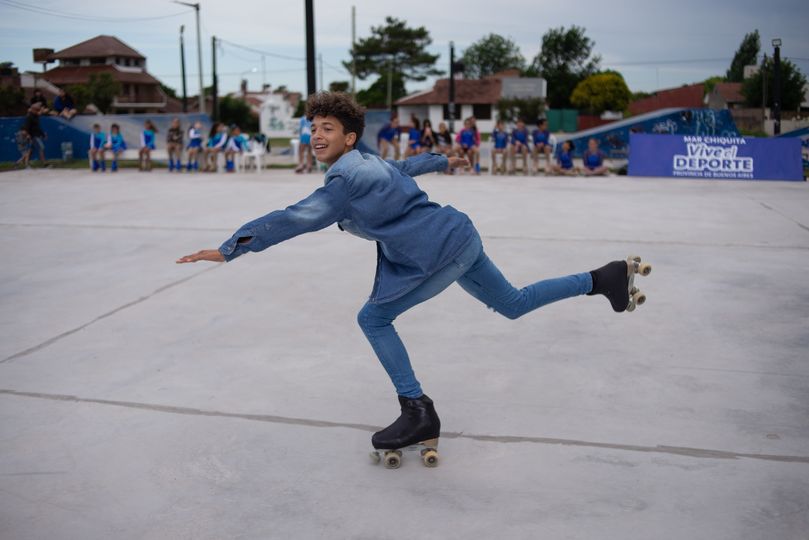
689 96
473 97
140 91
725 95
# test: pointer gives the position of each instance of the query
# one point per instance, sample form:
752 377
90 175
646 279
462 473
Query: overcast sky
654 44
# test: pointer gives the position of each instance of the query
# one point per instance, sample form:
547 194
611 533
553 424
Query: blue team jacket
376 200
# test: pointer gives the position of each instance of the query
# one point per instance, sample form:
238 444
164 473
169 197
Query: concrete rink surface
141 399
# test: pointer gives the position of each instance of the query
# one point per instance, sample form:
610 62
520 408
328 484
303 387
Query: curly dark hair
341 106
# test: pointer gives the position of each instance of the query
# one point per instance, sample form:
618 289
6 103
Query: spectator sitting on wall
467 145
499 148
444 140
593 159
519 146
147 144
541 138
237 145
63 105
388 137
217 139
32 127
414 138
116 144
174 145
428 141
40 98
564 160
98 141
23 140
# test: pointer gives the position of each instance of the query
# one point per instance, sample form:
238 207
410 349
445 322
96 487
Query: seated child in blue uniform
421 249
217 139
414 138
98 139
519 146
388 138
593 159
499 147
194 146
147 144
116 145
237 144
564 160
467 142
541 138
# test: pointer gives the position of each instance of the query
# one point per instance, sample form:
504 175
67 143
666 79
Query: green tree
103 90
710 83
81 94
563 61
169 91
527 109
746 55
12 101
601 92
792 84
376 95
491 54
395 48
339 86
233 110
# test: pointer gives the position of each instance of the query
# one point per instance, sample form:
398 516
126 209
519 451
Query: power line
656 62
79 17
258 51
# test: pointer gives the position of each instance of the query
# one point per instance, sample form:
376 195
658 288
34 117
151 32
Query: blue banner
715 157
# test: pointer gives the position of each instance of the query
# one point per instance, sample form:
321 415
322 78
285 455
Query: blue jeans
478 276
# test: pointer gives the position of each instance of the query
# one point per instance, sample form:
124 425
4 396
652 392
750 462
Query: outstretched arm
319 210
426 163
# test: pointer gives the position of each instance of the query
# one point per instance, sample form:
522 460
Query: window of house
96 61
482 111
457 111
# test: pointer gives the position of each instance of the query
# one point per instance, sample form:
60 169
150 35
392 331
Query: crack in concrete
783 215
704 453
67 333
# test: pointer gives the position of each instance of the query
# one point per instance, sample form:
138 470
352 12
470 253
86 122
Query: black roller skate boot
418 426
616 281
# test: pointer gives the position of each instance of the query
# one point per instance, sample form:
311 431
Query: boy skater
422 249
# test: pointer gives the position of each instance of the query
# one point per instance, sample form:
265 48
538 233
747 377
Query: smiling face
329 140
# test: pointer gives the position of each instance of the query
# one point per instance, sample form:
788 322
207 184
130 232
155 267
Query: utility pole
776 88
353 41
311 83
182 68
390 83
451 105
199 56
215 84
263 73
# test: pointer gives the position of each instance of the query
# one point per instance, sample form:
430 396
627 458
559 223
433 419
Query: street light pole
199 56
182 68
776 88
311 79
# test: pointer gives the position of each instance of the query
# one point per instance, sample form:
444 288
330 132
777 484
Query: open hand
456 162
204 255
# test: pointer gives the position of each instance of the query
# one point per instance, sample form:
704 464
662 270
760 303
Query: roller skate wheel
645 269
633 291
393 460
635 258
638 298
430 458
375 457
631 306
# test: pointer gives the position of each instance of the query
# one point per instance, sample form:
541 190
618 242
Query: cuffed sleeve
325 206
421 164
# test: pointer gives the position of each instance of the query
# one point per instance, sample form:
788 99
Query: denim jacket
376 200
